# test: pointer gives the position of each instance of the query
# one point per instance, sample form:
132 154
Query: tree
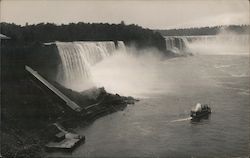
122 22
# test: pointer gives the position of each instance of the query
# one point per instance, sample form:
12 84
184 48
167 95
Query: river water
159 124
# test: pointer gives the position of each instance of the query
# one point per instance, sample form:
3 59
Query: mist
144 73
131 73
224 43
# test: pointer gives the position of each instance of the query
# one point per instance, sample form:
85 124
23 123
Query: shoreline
27 134
40 109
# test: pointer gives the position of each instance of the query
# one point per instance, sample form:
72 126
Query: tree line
49 32
240 29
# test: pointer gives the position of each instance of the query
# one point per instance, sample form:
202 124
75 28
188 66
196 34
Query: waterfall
210 44
176 44
121 46
78 57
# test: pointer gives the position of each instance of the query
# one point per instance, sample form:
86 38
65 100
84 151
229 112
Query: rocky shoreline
29 113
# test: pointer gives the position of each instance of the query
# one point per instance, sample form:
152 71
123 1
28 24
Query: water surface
159 126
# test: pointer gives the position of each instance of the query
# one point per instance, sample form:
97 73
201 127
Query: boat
200 111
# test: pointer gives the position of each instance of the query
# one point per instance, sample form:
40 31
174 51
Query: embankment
31 108
27 108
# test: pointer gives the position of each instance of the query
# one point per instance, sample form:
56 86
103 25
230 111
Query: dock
67 145
64 140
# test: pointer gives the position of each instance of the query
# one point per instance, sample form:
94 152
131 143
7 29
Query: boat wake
222 66
184 119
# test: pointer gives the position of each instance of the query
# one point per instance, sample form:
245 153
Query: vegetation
241 29
26 44
130 34
27 108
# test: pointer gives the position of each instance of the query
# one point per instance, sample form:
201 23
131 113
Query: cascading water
78 57
121 46
224 43
176 44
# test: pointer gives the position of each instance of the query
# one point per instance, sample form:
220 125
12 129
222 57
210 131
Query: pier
68 101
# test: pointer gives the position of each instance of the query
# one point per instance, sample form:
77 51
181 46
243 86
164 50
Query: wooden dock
64 140
67 145
68 101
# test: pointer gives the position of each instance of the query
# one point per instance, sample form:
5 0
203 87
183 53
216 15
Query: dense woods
130 34
241 29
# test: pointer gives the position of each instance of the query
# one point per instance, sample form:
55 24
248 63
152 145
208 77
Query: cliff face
28 108
15 56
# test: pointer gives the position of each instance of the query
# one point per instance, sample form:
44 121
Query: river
159 124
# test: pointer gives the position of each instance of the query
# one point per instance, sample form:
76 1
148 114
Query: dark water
159 125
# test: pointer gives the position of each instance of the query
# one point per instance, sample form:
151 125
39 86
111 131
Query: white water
224 43
77 59
176 44
159 126
129 75
139 76
227 44
129 72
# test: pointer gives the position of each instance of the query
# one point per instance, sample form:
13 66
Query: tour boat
200 110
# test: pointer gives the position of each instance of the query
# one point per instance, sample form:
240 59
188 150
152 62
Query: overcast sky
160 14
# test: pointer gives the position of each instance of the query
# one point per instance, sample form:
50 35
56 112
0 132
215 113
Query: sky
153 14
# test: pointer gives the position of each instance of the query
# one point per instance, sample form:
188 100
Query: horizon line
171 28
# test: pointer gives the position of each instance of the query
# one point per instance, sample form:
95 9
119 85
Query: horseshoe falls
209 44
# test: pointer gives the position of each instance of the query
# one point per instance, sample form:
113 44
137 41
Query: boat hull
200 115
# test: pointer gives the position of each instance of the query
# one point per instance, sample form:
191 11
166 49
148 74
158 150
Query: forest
196 31
49 32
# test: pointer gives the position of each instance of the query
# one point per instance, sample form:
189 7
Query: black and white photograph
125 78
